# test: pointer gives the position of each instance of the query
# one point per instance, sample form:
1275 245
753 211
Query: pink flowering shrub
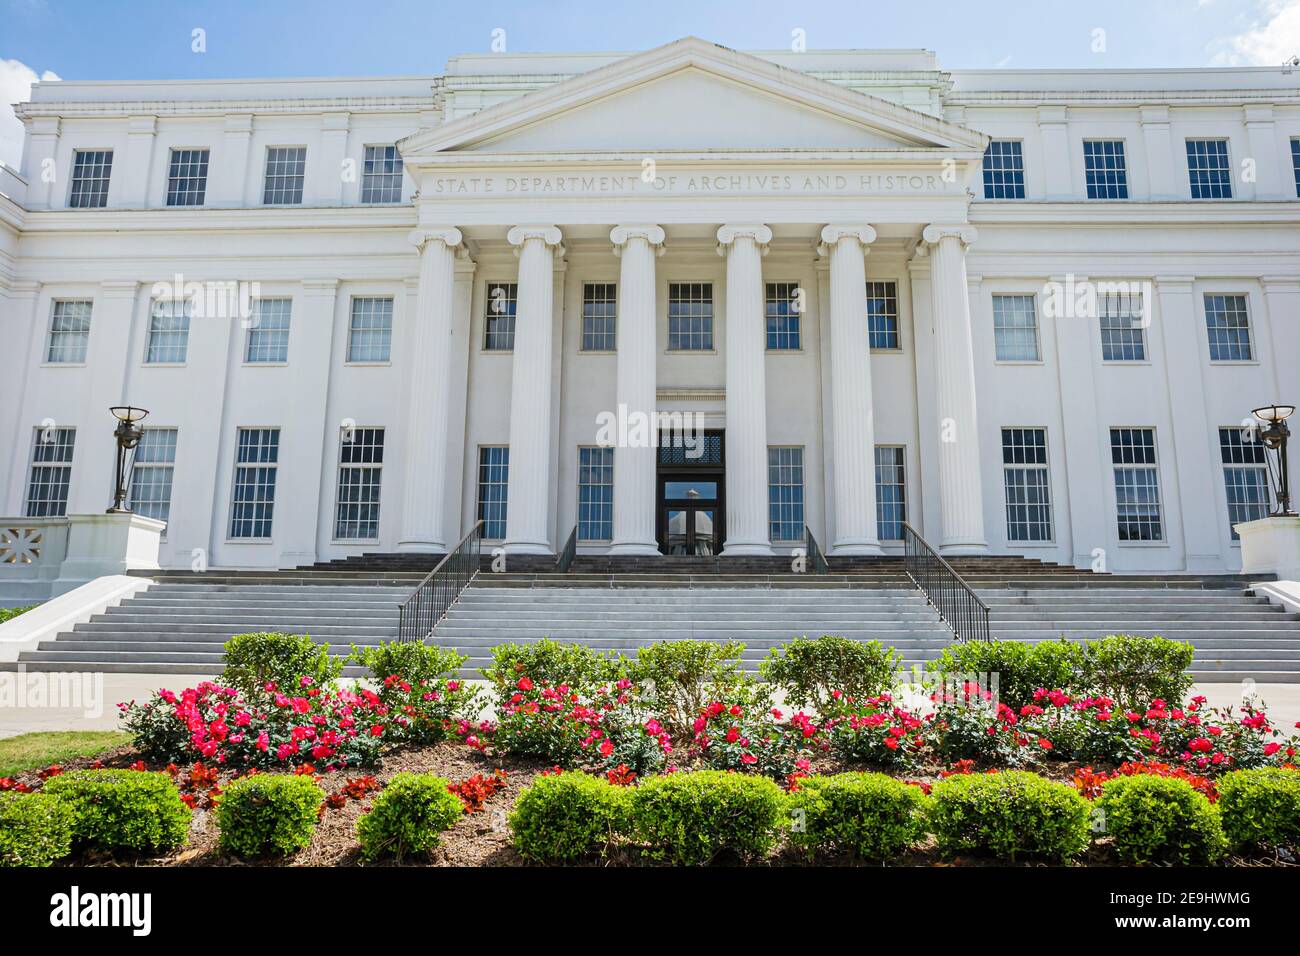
968 724
877 731
418 687
749 739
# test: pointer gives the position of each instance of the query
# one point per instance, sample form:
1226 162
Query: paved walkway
89 701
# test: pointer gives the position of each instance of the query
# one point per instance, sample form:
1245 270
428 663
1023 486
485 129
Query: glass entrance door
690 506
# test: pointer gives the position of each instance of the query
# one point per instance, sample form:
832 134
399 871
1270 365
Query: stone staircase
180 623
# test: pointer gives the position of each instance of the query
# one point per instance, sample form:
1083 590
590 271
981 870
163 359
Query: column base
527 547
854 549
963 548
634 548
421 547
742 549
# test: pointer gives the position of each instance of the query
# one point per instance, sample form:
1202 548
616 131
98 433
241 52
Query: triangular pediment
691 96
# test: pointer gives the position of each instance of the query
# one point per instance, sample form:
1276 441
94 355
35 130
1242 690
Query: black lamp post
128 434
1274 436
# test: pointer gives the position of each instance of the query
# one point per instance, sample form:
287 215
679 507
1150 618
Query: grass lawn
39 750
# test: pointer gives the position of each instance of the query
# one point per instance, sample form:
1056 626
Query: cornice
1137 212
128 108
1129 98
258 218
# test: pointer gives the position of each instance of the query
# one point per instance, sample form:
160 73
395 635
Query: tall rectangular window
1015 328
595 494
599 316
169 332
286 167
1245 476
1004 170
268 335
891 493
493 484
370 332
1123 328
785 493
783 304
690 316
1208 171
1227 322
1137 484
91 171
361 466
51 474
882 315
499 307
1028 484
69 331
1104 169
1295 163
187 177
381 175
252 502
152 465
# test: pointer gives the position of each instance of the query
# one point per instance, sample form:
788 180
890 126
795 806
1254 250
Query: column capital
730 232
449 236
320 287
115 289
832 234
651 233
550 235
934 233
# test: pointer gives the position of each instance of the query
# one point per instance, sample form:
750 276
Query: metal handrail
817 563
420 613
568 553
956 602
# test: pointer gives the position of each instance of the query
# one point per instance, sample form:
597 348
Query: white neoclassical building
1024 311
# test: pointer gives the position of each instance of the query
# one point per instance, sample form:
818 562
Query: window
882 315
51 474
69 331
91 170
252 505
152 465
1028 486
690 316
381 175
1228 324
187 179
891 493
783 306
1245 476
493 482
1137 484
1104 168
169 332
499 316
1208 170
268 336
599 315
1015 328
1004 170
595 494
361 464
1295 164
370 334
785 494
1123 328
285 168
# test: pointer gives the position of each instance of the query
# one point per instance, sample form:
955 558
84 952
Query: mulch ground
482 838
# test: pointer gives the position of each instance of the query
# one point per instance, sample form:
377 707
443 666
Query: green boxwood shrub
1160 820
35 829
1021 667
123 809
1137 670
408 817
810 671
253 660
567 817
550 662
1261 807
269 814
868 815
693 818
1010 814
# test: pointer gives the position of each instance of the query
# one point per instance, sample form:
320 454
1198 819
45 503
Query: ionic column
424 494
634 465
746 344
528 491
961 501
852 419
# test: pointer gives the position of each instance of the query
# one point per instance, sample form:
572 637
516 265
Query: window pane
1123 335
785 494
152 464
1004 170
91 170
1104 169
1207 169
370 335
69 331
51 472
690 316
499 316
1245 476
187 179
1228 324
1295 164
783 304
493 481
599 313
381 176
361 459
268 335
169 332
285 168
891 493
252 504
1137 484
1015 328
1027 484
595 494
882 315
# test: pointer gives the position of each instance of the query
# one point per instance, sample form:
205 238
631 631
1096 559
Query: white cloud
16 79
1273 36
